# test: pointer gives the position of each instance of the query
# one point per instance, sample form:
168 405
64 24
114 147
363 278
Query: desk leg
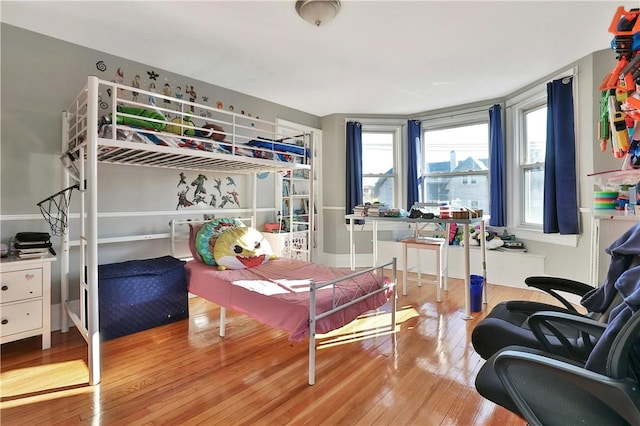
467 272
352 247
483 250
375 242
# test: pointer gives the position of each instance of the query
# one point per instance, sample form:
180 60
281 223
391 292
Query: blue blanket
279 146
628 285
622 251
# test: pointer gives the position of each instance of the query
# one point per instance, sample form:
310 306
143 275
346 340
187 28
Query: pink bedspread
277 293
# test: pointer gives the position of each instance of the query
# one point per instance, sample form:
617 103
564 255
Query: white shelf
615 215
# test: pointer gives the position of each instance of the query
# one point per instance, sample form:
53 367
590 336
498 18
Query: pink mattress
277 293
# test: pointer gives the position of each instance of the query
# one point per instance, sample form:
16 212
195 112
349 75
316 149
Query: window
456 163
527 127
379 164
529 122
533 122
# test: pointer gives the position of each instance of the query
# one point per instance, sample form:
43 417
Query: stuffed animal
139 121
178 130
204 240
241 248
213 132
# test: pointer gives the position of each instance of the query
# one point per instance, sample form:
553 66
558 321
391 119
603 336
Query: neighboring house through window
456 160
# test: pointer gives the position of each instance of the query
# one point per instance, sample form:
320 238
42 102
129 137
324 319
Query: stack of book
361 210
33 245
377 209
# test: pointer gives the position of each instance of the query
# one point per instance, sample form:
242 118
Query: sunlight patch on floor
43 382
369 325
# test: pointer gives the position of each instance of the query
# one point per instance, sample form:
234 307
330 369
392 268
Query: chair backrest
624 357
550 390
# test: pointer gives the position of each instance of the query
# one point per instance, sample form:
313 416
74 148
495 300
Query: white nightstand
25 299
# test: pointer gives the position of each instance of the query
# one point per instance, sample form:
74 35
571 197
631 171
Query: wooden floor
184 373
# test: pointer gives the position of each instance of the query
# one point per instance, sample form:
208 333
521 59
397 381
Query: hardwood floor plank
184 373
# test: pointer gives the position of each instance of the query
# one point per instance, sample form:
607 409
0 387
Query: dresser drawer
19 285
20 317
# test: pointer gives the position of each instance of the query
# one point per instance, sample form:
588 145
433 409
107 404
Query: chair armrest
550 320
566 388
530 308
551 285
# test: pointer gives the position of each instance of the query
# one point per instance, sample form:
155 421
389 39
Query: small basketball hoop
55 209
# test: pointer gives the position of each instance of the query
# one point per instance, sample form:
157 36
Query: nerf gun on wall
620 141
620 101
625 27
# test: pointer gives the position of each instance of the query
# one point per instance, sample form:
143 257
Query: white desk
465 226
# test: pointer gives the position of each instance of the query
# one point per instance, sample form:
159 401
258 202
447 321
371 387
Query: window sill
382 226
528 234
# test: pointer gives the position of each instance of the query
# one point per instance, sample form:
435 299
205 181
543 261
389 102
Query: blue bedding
279 146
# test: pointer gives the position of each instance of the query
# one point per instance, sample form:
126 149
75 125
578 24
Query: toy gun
625 27
617 120
603 123
620 102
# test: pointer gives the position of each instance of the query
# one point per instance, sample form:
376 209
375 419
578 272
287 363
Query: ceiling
375 57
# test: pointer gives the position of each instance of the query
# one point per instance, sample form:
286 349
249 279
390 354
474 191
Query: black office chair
507 324
546 389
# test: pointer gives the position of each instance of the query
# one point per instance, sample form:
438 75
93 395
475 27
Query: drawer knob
5 321
5 287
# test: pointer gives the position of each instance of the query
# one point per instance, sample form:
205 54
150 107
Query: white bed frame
390 287
83 150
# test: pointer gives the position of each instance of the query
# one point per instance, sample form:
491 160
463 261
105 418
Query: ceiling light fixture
318 12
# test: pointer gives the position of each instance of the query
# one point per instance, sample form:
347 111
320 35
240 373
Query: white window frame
395 127
515 108
466 117
536 100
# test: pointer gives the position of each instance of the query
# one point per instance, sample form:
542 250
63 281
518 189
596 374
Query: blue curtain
354 165
560 193
497 169
414 133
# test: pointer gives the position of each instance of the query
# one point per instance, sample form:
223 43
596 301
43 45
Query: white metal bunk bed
85 144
